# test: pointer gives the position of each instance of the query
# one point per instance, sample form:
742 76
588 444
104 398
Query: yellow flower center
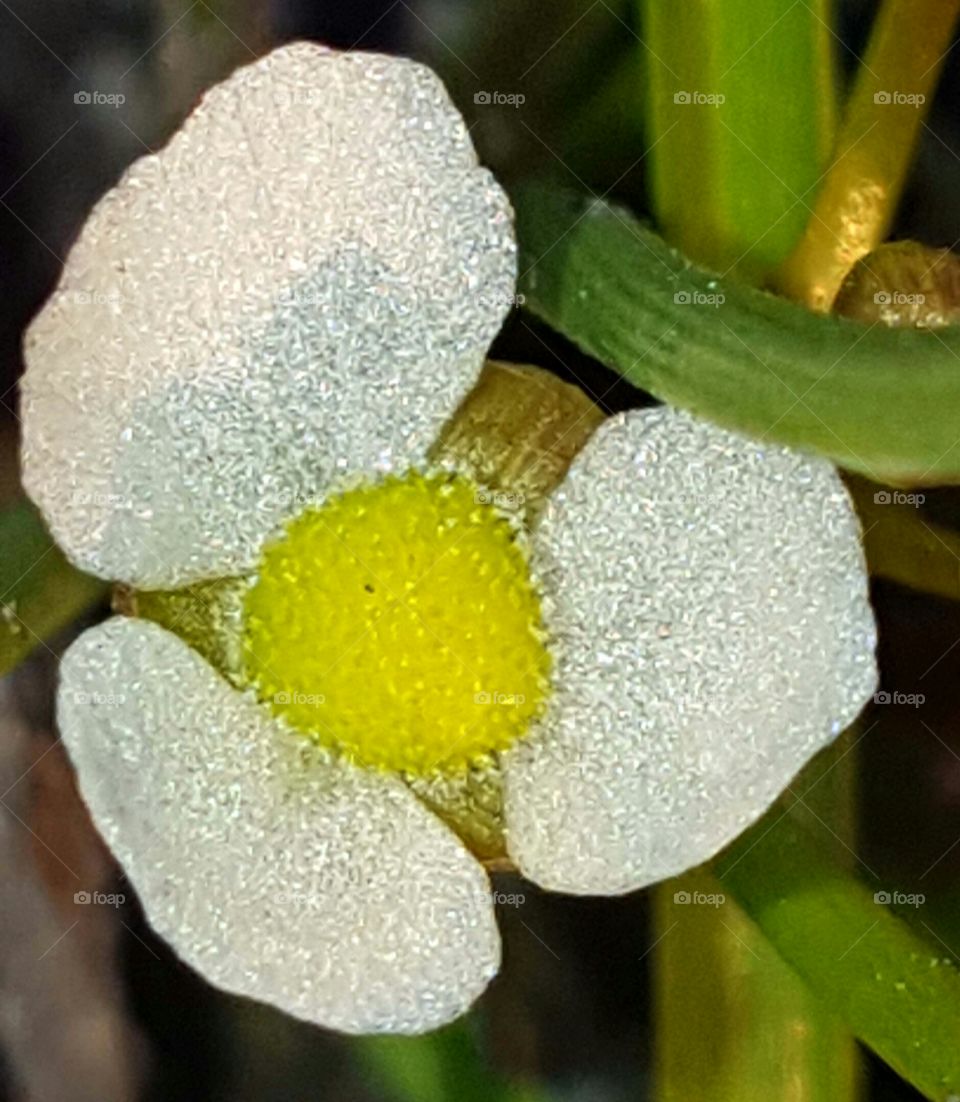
399 623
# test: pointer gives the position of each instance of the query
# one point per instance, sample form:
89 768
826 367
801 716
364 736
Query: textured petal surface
327 891
302 284
709 603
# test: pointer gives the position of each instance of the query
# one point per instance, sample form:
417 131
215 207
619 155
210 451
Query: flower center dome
399 623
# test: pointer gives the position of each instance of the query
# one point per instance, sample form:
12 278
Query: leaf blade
893 989
882 402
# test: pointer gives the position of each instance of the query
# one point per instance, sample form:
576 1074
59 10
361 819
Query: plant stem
779 1039
740 115
715 966
729 175
893 987
890 99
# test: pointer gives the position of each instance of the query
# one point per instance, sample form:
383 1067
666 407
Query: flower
257 337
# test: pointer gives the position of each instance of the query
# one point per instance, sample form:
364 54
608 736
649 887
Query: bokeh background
93 1008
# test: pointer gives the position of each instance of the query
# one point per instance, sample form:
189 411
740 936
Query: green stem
733 1019
891 986
740 113
893 92
779 1039
729 176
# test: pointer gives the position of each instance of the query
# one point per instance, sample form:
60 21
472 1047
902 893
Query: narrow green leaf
893 988
883 402
40 592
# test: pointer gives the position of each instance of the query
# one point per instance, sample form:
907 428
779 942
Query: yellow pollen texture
398 622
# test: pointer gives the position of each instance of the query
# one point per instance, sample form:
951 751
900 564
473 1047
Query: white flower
283 307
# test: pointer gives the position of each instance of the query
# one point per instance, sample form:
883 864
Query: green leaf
892 987
883 402
40 592
732 174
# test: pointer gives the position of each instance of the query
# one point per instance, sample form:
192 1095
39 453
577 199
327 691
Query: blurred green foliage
40 592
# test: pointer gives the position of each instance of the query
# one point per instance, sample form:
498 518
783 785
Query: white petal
714 633
303 283
325 890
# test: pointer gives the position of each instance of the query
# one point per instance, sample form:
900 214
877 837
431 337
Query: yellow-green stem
740 114
731 168
891 96
778 1040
